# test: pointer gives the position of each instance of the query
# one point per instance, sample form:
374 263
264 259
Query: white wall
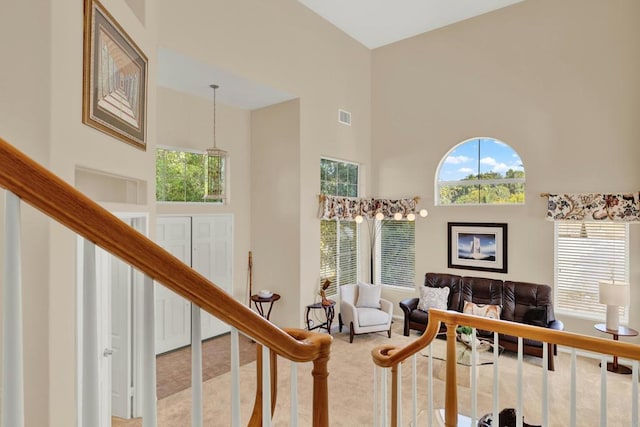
558 81
284 45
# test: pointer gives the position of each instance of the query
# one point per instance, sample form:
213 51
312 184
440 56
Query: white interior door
121 338
172 312
212 257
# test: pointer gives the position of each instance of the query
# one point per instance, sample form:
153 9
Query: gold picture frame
114 96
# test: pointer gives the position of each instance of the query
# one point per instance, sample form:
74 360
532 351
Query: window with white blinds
586 253
397 253
339 250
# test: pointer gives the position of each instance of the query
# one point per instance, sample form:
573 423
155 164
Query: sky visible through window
494 156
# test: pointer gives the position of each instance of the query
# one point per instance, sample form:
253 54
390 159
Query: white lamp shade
613 293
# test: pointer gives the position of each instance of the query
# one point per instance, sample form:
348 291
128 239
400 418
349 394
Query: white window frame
440 184
598 269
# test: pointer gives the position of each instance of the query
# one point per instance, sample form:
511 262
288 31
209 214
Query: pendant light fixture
216 160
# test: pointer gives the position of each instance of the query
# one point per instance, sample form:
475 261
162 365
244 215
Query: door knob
107 352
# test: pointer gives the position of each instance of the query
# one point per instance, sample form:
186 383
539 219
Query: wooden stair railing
389 356
43 190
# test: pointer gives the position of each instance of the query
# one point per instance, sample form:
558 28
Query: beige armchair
363 310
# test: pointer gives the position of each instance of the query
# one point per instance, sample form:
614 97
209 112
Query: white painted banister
603 391
293 418
376 413
149 394
545 385
90 365
399 397
414 388
496 378
573 403
474 376
430 408
196 367
12 339
235 378
634 393
266 387
519 406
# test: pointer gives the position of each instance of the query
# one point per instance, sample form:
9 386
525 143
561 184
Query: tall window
587 253
397 253
338 239
180 176
480 171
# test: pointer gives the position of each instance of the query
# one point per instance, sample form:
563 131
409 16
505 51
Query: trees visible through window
338 239
481 171
180 176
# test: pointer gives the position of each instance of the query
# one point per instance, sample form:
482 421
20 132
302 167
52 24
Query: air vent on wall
344 117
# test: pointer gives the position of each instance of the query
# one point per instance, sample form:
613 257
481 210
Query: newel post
320 387
451 393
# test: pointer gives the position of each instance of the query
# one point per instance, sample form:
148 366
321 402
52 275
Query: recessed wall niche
105 187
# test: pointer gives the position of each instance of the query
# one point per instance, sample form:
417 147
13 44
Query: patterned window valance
347 208
593 207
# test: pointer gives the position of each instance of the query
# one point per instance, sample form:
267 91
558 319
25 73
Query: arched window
480 171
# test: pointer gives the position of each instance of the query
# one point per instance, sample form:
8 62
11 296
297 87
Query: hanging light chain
214 114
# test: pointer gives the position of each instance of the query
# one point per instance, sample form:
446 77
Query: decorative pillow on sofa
369 295
485 310
536 316
433 298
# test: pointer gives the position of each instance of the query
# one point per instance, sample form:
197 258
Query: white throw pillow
369 295
433 298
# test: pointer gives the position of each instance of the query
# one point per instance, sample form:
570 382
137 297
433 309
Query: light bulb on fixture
379 216
358 219
411 217
397 216
423 213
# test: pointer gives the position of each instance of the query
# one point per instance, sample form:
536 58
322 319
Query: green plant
464 330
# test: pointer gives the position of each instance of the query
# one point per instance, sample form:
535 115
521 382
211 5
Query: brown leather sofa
521 302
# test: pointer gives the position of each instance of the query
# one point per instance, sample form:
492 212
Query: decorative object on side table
323 293
114 96
614 295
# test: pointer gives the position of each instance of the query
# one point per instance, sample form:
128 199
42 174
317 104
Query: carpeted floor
351 390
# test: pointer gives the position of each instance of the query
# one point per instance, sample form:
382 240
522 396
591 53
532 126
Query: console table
622 331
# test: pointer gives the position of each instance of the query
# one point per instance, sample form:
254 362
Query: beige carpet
351 390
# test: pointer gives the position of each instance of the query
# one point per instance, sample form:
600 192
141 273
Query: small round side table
258 300
622 331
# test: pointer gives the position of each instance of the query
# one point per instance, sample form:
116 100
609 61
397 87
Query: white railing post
520 411
603 391
90 358
293 418
545 384
266 386
196 367
376 412
149 393
235 378
573 390
12 341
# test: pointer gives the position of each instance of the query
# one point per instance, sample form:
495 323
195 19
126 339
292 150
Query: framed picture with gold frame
114 96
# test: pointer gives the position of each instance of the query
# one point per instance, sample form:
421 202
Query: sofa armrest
408 305
557 325
386 306
348 312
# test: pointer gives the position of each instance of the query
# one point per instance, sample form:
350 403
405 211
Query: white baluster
572 393
384 397
376 413
235 378
474 385
12 338
634 393
496 377
399 399
149 396
196 367
266 387
293 419
90 359
603 391
545 385
430 375
520 383
414 386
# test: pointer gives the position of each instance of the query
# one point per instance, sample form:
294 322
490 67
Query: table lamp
613 294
